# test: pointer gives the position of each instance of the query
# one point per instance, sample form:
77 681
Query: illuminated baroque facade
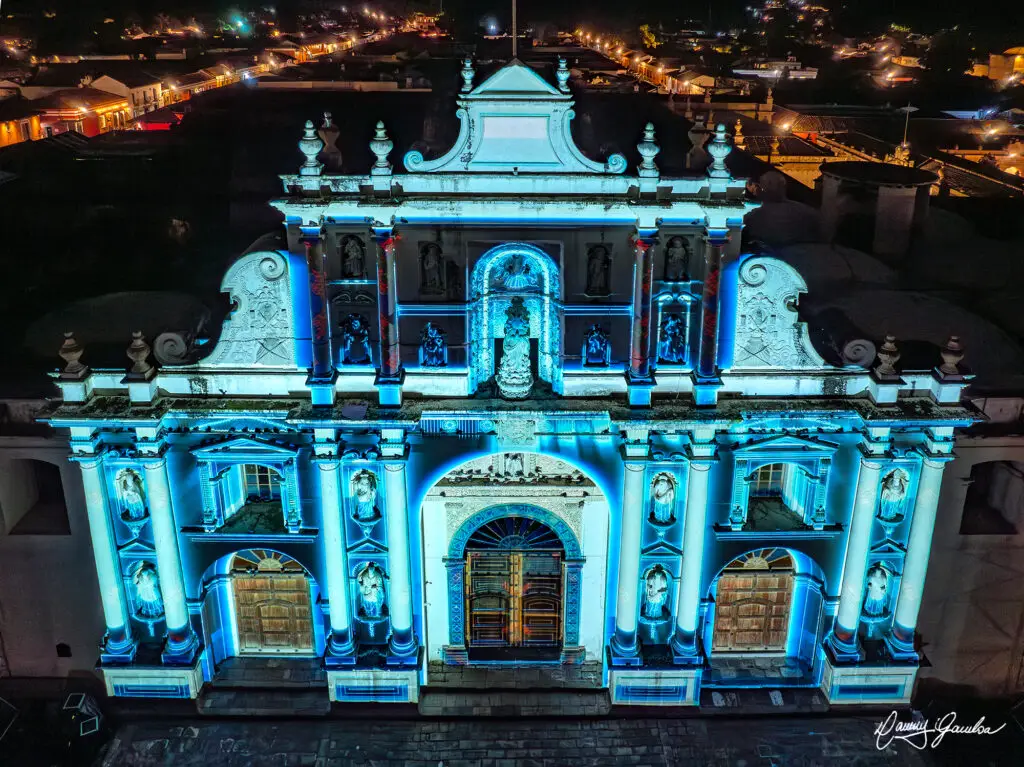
513 408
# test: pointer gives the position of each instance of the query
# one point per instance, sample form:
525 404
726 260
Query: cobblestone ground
773 742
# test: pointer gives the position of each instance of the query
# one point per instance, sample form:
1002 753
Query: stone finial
467 74
888 356
310 145
952 355
775 143
381 146
719 149
688 114
562 73
737 136
648 151
329 133
71 352
138 353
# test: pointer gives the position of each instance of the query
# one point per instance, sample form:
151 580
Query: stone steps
762 701
293 702
452 702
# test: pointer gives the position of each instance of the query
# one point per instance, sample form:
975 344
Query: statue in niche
149 602
598 268
371 591
672 343
894 495
355 343
431 269
515 465
677 260
131 494
656 593
353 258
433 347
596 347
364 491
515 377
876 597
663 496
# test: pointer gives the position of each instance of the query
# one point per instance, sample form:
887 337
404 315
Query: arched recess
515 269
547 534
260 602
767 602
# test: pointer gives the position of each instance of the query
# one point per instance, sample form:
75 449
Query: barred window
768 481
262 482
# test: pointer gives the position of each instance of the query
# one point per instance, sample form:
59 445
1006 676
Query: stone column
181 640
639 377
390 374
707 366
915 565
625 650
318 308
685 647
340 646
402 646
118 645
843 640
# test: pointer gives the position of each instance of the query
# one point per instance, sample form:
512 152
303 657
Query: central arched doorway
273 610
514 590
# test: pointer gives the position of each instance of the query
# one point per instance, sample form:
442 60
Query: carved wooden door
514 598
273 613
752 611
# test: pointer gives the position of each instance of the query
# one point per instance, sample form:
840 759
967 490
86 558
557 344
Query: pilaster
390 374
639 378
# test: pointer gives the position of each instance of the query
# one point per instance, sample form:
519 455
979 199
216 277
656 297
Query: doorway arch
514 585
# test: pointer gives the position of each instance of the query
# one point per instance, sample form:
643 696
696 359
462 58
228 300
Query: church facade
513 408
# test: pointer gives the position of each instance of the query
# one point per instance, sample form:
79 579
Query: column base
389 390
322 389
572 655
341 651
180 652
403 650
705 390
900 645
687 650
117 649
843 650
624 652
639 389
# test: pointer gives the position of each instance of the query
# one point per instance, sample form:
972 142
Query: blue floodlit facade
513 408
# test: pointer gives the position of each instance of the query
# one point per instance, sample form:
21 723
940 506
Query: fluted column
843 639
625 650
390 374
118 644
684 643
340 645
181 639
403 639
638 377
915 565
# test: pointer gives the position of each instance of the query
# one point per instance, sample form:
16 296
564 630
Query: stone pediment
887 546
244 448
514 122
786 445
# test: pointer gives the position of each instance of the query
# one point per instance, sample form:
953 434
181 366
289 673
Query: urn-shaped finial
888 356
310 145
467 74
138 353
648 151
952 355
562 74
719 149
71 352
381 146
737 135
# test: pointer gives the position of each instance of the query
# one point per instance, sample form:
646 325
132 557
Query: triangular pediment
661 549
786 443
236 422
888 546
515 80
136 548
367 546
244 447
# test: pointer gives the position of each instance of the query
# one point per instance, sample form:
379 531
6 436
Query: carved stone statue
677 260
598 267
672 343
355 343
371 591
876 597
596 349
353 258
433 346
514 465
515 274
893 496
364 491
515 378
431 269
663 497
149 602
656 593
131 494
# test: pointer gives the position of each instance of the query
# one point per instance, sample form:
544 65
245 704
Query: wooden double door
273 613
752 611
514 600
